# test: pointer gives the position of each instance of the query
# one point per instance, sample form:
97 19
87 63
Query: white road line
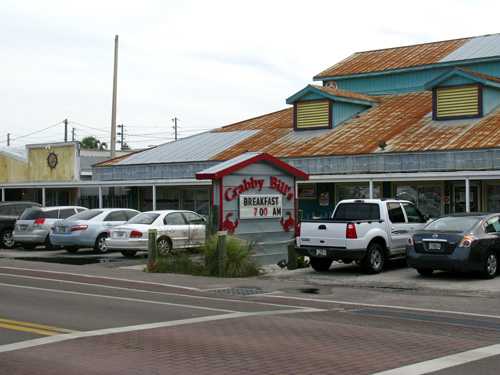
59 338
444 362
147 291
118 298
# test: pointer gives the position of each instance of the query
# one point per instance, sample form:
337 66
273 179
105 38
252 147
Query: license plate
120 235
321 252
434 246
62 229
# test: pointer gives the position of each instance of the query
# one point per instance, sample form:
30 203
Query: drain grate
237 291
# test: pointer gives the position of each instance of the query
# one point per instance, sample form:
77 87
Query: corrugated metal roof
403 121
476 48
200 147
416 55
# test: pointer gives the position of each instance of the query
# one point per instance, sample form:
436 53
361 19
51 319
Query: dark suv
9 213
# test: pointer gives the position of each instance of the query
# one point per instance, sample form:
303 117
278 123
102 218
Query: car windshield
454 223
85 215
145 218
31 214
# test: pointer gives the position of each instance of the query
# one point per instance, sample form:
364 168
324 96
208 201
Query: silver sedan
176 229
89 228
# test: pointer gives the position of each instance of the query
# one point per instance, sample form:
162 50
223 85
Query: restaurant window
353 191
427 197
492 196
197 200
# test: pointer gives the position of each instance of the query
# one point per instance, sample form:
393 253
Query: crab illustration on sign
288 223
228 224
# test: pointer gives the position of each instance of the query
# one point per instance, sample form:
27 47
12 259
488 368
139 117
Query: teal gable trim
460 77
312 93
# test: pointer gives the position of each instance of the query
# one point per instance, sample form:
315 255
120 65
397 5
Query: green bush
238 260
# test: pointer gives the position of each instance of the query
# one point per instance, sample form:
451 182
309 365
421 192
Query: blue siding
491 99
344 111
410 80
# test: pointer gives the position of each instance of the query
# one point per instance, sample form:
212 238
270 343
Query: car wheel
49 245
128 253
100 244
28 246
320 264
163 245
7 239
71 249
374 259
425 271
490 266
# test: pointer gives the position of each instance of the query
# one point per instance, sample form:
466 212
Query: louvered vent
314 114
460 101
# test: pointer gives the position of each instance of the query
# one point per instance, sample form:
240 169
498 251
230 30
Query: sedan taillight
410 241
135 234
79 227
468 241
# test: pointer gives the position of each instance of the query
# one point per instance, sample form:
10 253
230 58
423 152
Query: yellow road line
35 328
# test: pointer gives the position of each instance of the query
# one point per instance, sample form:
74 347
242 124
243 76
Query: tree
93 143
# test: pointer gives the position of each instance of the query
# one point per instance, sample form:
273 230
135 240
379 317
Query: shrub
238 258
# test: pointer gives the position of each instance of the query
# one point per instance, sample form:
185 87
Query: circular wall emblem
52 160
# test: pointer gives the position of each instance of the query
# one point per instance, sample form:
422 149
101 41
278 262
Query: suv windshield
31 214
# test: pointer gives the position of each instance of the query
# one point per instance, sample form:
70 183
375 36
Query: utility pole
121 135
8 139
113 111
73 134
66 130
175 126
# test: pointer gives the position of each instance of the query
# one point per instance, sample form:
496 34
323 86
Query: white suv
33 227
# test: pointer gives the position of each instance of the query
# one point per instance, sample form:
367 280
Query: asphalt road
297 322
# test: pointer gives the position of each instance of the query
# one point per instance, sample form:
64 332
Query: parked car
176 229
33 227
366 231
9 213
457 242
89 228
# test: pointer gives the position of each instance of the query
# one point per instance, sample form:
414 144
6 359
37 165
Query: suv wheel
7 239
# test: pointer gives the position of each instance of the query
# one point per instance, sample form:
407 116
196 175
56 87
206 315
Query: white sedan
176 229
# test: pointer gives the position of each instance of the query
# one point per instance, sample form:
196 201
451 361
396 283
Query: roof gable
484 79
334 94
244 160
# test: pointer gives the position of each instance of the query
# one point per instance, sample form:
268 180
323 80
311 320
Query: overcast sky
206 63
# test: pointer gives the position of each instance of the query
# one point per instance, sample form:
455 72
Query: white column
467 194
154 197
371 189
100 196
43 195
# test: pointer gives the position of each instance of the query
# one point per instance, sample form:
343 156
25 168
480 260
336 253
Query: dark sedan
457 242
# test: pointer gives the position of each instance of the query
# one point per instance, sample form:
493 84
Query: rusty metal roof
394 58
402 121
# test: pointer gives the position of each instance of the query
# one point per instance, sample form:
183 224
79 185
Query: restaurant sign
260 206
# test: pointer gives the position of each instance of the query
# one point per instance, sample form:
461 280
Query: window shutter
462 101
315 114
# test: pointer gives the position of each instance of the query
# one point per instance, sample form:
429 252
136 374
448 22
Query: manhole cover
238 291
